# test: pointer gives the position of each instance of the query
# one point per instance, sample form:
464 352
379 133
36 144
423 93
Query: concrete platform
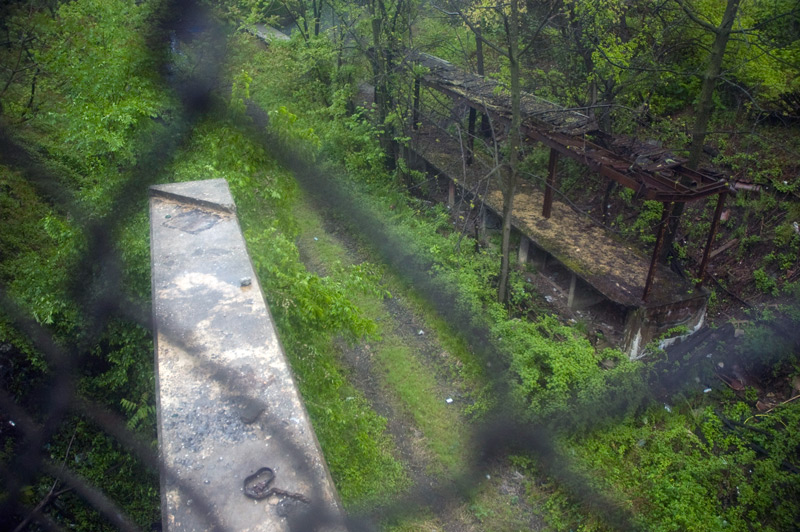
596 258
227 401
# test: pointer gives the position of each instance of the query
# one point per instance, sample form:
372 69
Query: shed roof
653 172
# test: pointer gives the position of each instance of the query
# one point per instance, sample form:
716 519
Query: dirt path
499 504
407 437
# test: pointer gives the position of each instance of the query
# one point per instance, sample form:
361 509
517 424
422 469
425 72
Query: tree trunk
514 145
381 88
486 127
317 8
705 108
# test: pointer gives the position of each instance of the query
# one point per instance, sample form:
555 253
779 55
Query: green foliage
37 249
98 96
451 39
645 226
765 283
357 448
694 469
657 462
108 466
240 92
688 470
309 301
319 116
768 341
555 370
84 110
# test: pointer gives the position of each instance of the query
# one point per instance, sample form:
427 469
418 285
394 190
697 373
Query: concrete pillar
524 246
573 286
539 258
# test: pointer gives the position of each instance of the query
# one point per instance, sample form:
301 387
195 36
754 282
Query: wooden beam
723 248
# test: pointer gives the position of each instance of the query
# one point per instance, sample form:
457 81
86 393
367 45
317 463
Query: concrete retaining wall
228 405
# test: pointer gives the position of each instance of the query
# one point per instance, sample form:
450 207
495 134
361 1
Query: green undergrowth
40 253
413 381
89 122
466 372
403 375
693 466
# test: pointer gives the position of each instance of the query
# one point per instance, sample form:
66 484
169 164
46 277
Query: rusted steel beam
607 167
677 198
651 273
552 163
605 170
641 190
606 163
612 165
711 234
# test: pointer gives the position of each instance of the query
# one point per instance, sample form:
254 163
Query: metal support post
662 227
712 233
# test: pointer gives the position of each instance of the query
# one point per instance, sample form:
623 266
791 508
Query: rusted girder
564 131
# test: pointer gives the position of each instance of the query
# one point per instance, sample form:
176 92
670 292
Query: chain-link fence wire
97 290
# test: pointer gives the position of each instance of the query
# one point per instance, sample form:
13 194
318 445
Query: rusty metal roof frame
654 174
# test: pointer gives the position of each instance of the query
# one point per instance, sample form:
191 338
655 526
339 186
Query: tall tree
705 102
383 40
514 143
510 21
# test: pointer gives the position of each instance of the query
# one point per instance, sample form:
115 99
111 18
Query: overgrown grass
414 383
404 376
696 466
468 373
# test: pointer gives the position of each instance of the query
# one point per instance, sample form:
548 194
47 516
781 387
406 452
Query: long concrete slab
228 406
